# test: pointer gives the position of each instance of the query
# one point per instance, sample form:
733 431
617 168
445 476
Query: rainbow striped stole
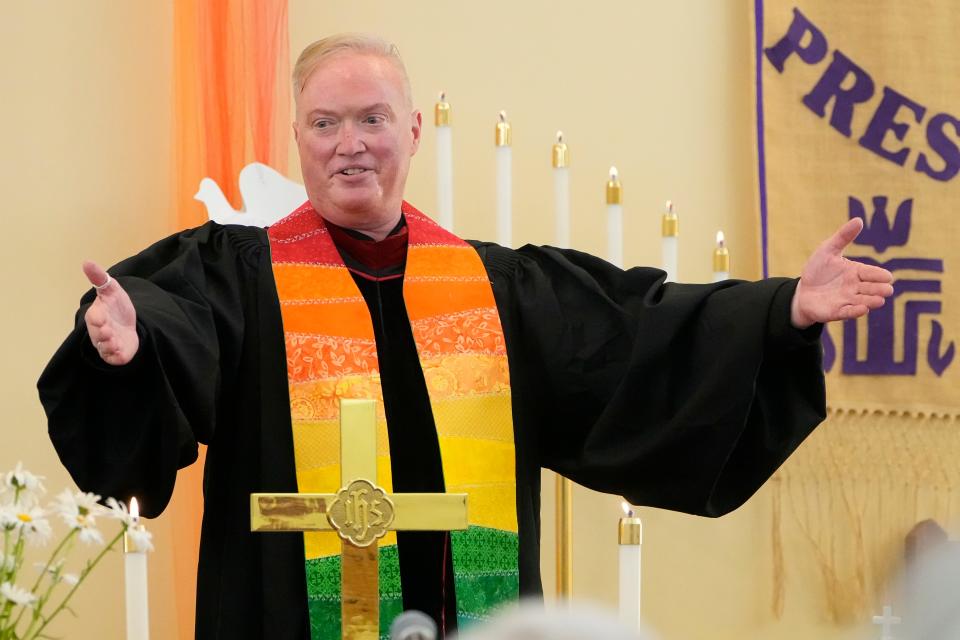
332 354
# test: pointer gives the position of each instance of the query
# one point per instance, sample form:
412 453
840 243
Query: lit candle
721 259
630 540
614 219
444 163
561 191
670 228
503 139
135 573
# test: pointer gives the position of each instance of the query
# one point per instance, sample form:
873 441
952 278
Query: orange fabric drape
231 107
231 94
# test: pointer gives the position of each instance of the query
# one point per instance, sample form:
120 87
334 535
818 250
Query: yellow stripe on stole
316 444
479 417
486 471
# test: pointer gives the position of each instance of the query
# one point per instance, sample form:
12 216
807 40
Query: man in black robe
684 397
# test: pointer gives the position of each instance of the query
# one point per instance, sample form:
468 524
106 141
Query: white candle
721 260
630 540
561 192
504 138
670 229
444 163
614 219
135 574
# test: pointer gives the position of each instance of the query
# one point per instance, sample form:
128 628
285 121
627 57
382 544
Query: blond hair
358 43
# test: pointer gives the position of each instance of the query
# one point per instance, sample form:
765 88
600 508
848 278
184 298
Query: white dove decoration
267 196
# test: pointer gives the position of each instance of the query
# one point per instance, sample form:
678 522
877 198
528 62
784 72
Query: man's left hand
834 288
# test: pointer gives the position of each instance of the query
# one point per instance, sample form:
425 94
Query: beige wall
85 173
661 90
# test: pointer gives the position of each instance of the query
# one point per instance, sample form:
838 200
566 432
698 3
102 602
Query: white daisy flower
8 518
90 535
119 511
78 509
55 572
13 593
7 563
141 538
22 479
52 569
34 525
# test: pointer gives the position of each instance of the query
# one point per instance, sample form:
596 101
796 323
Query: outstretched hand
834 288
111 319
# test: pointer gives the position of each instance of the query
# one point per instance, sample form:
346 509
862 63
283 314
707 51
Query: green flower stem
6 551
6 632
18 555
63 604
8 607
53 557
18 552
38 607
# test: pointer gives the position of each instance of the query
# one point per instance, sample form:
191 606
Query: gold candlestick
630 530
561 154
721 255
614 188
441 112
564 538
670 225
503 136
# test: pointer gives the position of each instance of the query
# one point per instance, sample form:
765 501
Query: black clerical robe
685 397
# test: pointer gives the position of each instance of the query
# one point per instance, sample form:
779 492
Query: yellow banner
858 114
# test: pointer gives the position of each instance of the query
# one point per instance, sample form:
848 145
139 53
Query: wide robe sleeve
680 396
125 430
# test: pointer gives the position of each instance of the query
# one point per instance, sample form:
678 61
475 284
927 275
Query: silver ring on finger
106 283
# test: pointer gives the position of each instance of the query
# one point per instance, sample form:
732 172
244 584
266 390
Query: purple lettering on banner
830 86
938 362
881 332
885 119
944 146
881 323
792 42
877 232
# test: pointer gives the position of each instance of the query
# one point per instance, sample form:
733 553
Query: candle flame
559 137
627 511
503 116
134 509
670 207
720 240
613 173
443 96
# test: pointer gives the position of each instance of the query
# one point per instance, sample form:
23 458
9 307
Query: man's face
355 132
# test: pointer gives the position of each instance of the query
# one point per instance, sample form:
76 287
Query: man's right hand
111 319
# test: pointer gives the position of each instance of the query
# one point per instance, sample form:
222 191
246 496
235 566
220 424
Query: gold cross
361 513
